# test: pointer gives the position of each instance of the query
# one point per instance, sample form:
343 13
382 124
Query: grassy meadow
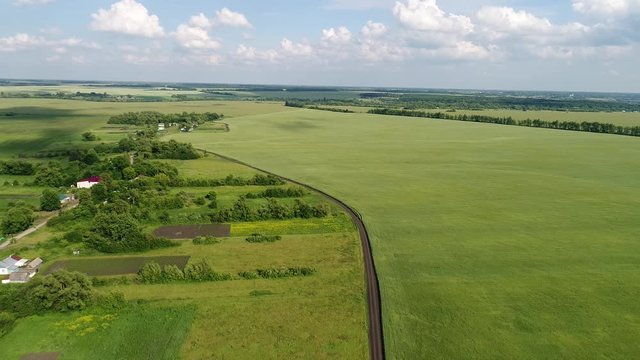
319 316
491 242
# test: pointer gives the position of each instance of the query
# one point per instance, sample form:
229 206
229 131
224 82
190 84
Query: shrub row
259 238
290 192
230 180
205 240
153 273
275 273
270 211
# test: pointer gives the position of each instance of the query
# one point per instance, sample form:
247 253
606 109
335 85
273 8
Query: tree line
153 118
595 127
272 210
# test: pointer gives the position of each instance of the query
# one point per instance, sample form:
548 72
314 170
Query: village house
88 182
19 270
161 127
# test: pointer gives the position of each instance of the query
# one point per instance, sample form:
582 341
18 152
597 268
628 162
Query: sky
566 45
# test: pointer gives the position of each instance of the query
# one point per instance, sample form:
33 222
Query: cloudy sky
590 45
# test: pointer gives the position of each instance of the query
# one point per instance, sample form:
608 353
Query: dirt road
36 227
376 340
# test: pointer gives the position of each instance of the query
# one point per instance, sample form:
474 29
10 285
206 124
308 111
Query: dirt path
376 340
36 227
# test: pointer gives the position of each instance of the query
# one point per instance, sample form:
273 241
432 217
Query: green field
491 242
270 319
138 332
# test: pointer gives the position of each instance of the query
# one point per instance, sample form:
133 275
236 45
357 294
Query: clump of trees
272 210
16 167
275 273
116 231
153 273
49 201
153 149
89 136
289 192
154 117
18 218
259 238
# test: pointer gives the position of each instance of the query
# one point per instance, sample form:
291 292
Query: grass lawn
491 242
139 332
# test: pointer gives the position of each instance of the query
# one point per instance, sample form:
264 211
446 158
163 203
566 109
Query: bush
111 301
171 273
259 238
151 273
6 322
60 291
17 219
205 240
275 273
49 201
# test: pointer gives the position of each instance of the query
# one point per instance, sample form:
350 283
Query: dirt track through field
376 340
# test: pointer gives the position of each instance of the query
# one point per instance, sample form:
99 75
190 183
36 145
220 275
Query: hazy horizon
511 45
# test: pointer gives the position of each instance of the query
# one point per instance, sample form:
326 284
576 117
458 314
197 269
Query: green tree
49 201
59 291
17 219
89 136
151 273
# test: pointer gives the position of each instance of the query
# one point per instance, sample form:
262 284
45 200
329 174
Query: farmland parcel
491 241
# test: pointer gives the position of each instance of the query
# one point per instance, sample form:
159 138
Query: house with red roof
88 182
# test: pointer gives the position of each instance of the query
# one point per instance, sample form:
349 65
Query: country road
376 340
36 227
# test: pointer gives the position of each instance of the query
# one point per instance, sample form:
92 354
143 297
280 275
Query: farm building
161 127
64 198
19 270
88 182
11 264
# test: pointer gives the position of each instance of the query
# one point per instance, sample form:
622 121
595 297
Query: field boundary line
376 339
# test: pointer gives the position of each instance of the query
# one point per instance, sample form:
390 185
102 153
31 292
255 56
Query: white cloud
227 17
195 38
505 19
53 58
127 17
200 21
606 8
425 15
251 55
373 30
296 49
463 50
31 2
20 41
336 36
375 51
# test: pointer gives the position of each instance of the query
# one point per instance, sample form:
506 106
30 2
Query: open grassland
491 242
139 332
43 124
316 317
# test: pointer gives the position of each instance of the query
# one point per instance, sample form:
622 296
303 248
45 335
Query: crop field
106 266
491 242
138 332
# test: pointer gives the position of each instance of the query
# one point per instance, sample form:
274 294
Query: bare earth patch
106 266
